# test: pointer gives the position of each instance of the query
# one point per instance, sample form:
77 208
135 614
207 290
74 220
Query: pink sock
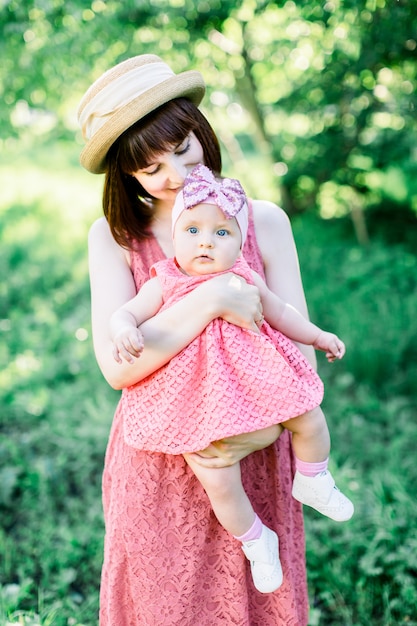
254 531
311 469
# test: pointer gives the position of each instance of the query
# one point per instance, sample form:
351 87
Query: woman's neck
162 209
161 227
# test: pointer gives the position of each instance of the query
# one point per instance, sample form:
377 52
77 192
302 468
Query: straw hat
122 96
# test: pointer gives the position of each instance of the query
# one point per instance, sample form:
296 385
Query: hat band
120 92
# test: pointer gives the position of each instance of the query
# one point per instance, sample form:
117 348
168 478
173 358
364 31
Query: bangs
127 206
160 131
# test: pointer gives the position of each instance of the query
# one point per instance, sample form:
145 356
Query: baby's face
205 240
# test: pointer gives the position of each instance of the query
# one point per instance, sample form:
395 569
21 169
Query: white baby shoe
321 493
263 554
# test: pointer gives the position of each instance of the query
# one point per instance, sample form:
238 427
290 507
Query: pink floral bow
201 185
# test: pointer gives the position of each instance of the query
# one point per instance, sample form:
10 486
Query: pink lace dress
167 561
227 381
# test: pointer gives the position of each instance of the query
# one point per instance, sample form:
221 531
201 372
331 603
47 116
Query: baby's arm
126 336
285 318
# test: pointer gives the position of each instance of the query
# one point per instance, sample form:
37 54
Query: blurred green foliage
55 410
364 572
319 100
324 93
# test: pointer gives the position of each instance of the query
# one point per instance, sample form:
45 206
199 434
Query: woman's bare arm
279 253
285 318
171 330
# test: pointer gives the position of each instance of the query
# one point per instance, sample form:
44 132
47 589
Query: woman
167 560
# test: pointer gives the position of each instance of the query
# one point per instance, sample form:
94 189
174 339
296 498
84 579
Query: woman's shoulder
268 214
99 228
272 227
100 237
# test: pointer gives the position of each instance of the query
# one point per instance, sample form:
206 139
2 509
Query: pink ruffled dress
226 382
167 560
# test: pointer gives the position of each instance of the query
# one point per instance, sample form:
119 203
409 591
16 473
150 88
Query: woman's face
164 176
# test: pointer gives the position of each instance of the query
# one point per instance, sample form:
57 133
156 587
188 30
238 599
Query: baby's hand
331 345
127 345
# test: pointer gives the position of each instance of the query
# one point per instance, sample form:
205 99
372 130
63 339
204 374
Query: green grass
56 411
364 572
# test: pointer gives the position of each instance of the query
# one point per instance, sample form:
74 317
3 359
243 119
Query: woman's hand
234 300
231 450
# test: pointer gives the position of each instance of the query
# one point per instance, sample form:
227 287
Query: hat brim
186 85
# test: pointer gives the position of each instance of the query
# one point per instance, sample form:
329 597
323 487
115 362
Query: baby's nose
206 241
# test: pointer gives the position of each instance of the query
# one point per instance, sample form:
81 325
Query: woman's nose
177 171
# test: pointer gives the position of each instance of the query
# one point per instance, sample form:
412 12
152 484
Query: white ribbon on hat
120 92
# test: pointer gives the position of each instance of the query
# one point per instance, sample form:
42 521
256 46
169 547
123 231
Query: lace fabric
167 561
227 381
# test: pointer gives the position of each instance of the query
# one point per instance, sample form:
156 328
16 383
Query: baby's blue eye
192 230
222 232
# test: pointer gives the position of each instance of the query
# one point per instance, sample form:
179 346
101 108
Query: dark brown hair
126 204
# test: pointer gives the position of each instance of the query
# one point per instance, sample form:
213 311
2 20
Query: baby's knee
222 484
309 424
315 420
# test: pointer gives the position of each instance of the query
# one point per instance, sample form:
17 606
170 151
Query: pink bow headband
227 193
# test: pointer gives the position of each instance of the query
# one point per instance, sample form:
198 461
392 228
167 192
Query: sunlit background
315 107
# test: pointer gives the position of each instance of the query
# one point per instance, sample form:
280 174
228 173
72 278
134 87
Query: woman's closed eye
151 172
150 169
180 149
183 147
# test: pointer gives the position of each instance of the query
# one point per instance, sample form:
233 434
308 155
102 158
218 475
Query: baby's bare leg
311 438
228 499
235 513
313 483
